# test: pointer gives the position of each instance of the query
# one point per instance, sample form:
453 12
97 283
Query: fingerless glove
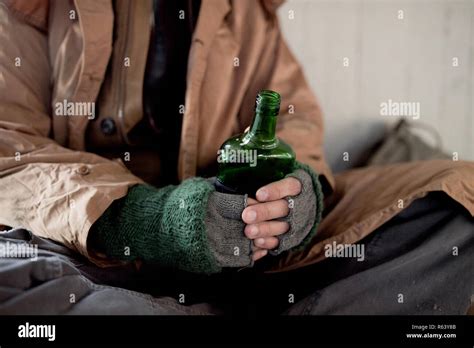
188 226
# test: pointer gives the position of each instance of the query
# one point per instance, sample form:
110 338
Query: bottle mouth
268 102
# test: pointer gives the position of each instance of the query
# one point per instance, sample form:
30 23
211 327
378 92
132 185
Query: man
166 95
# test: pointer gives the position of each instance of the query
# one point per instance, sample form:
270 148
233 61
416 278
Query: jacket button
108 127
82 170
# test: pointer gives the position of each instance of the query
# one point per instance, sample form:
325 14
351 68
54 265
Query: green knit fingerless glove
165 226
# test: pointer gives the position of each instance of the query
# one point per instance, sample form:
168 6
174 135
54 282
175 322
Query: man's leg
55 283
420 262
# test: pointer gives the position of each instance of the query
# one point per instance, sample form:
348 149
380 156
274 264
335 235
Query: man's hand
260 214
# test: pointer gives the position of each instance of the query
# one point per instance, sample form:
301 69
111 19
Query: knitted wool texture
163 225
319 196
167 225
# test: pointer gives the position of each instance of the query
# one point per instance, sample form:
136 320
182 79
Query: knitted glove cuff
305 211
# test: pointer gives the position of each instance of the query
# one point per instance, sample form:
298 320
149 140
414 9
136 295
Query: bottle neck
267 106
263 127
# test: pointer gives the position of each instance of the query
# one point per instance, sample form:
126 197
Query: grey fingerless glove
225 230
305 211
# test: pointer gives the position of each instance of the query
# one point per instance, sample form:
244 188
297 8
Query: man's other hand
260 214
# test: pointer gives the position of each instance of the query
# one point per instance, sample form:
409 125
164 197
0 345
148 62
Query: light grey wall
407 59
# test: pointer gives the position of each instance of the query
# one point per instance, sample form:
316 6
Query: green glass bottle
257 157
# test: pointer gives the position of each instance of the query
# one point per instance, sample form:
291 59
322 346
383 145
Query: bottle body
257 157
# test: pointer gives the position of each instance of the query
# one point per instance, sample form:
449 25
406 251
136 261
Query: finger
266 243
279 189
259 254
265 211
266 229
251 201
